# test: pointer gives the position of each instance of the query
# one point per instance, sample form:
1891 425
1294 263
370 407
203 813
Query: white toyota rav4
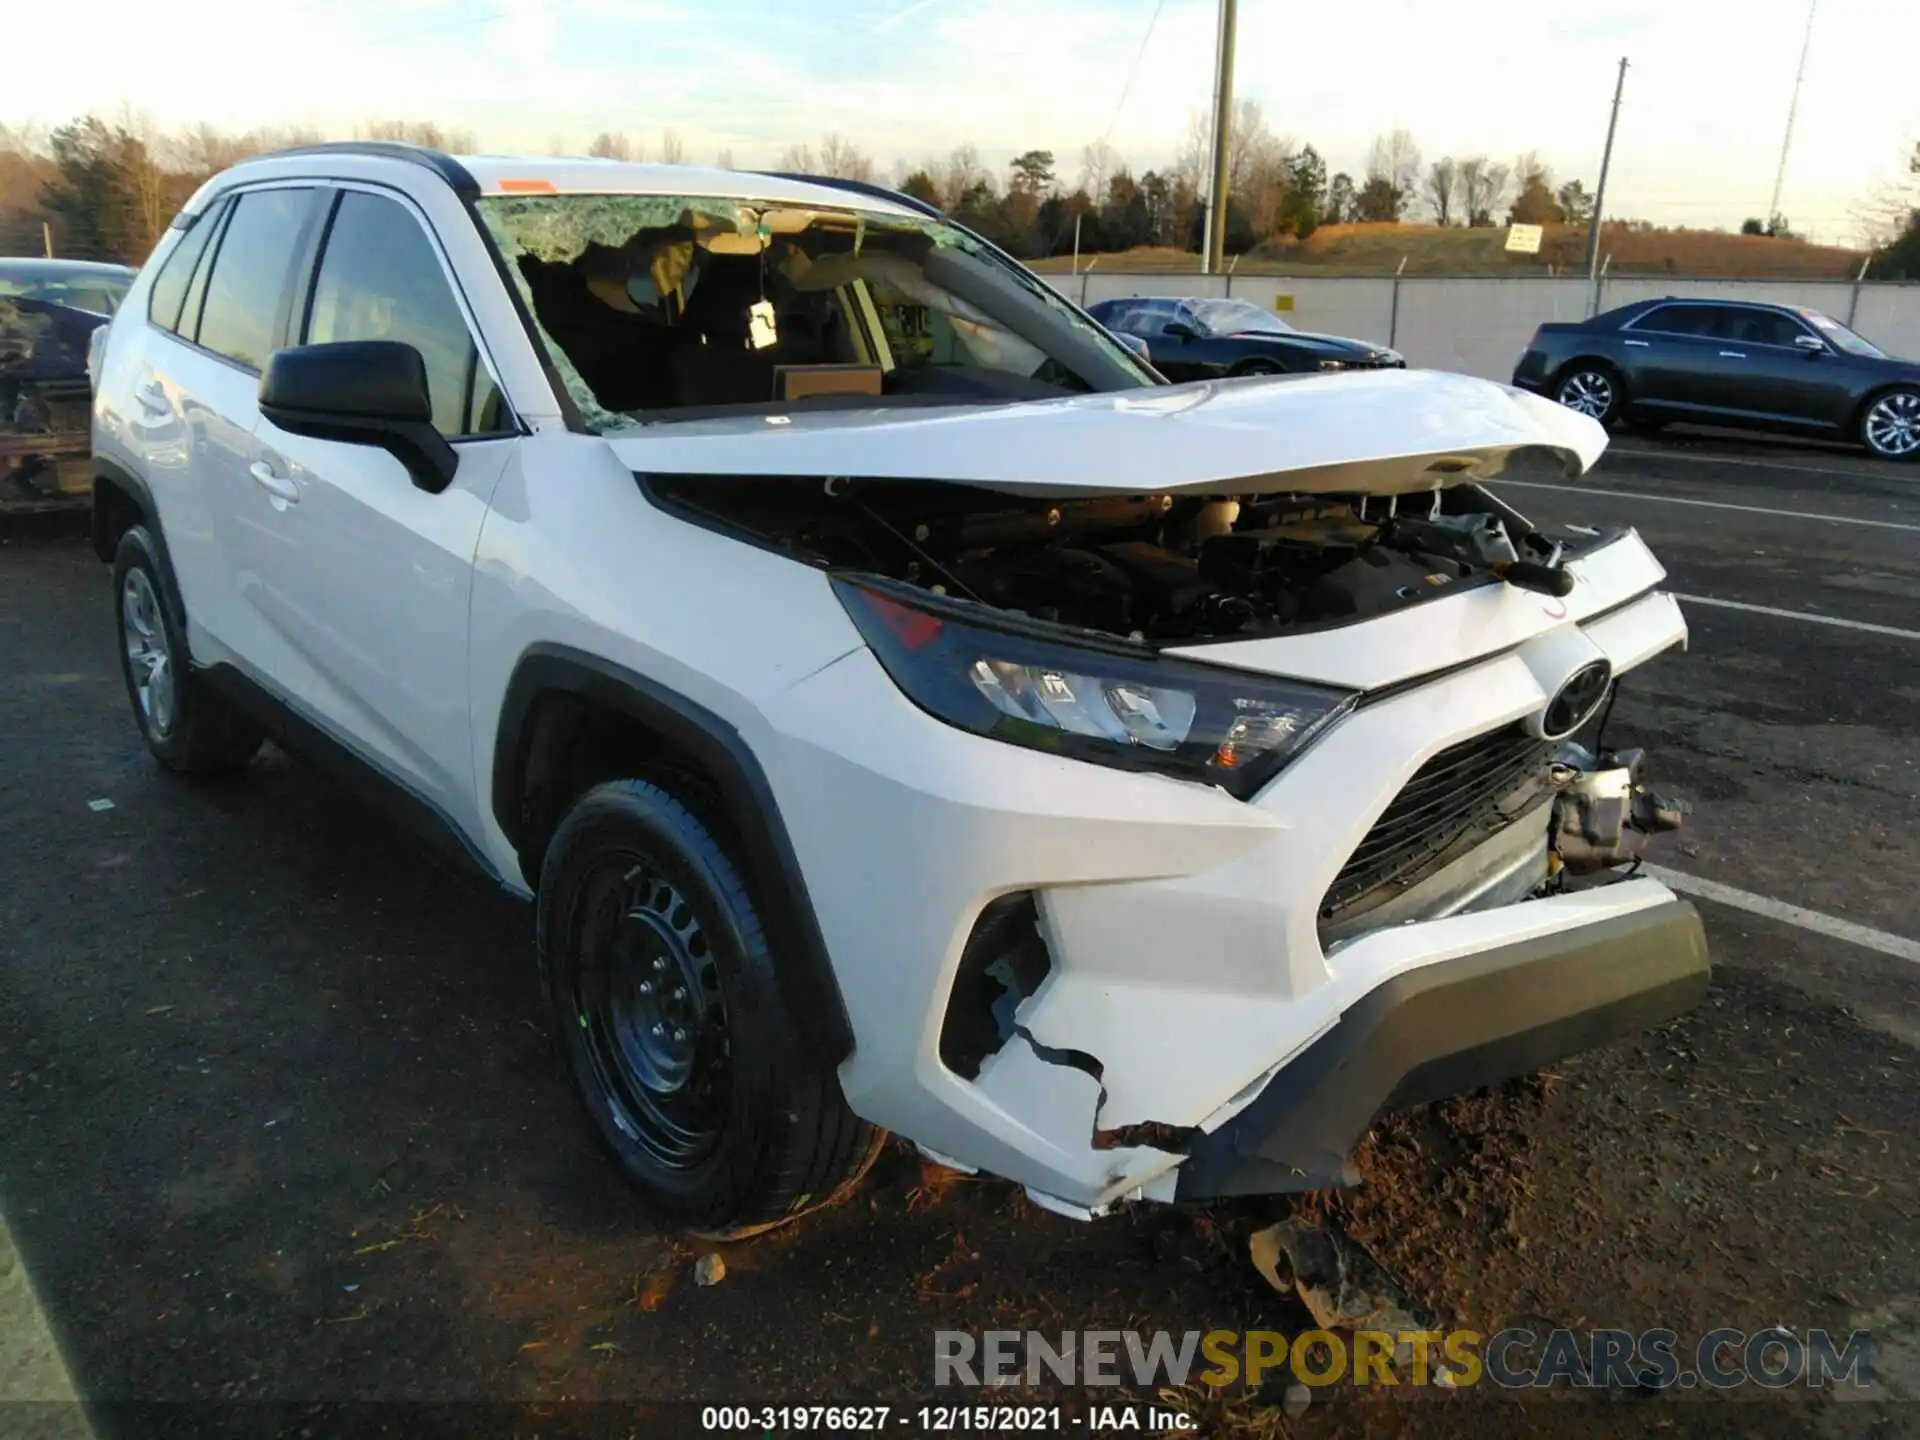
906 709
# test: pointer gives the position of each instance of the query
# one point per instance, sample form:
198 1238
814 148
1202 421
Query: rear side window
381 280
250 272
1681 320
169 291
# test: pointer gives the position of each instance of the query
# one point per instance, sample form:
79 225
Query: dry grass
1377 249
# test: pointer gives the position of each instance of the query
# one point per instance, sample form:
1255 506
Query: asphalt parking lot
282 1136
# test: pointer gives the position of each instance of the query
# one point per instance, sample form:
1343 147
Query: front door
375 573
1779 379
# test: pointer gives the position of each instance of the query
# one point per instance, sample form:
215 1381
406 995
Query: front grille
1457 794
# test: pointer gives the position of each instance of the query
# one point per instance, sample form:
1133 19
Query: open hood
1381 432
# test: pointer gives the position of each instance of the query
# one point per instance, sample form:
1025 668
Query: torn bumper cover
1448 1028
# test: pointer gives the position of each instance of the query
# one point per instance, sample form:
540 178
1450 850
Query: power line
1133 72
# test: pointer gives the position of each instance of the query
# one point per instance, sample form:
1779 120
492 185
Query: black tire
185 725
1585 384
700 1089
1890 424
1256 367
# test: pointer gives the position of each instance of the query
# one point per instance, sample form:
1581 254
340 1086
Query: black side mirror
364 392
1180 330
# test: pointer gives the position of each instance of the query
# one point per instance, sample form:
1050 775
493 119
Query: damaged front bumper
1447 1028
1078 978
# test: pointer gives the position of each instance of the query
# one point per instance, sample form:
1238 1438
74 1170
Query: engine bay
1158 569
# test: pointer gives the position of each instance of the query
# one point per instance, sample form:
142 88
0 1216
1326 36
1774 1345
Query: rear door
215 317
1674 359
372 575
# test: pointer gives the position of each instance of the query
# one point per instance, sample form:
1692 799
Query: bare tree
1099 162
672 150
1396 159
1482 186
844 160
961 172
1443 182
427 133
797 160
725 158
611 145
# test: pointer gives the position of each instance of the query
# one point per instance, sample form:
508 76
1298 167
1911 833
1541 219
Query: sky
1699 137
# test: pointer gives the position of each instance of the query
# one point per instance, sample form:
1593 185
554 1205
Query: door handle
1733 354
153 398
1638 344
278 486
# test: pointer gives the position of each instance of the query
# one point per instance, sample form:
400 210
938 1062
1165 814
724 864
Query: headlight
1116 705
1333 364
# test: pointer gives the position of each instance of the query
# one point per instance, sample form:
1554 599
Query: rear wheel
676 1034
186 727
1890 427
1592 390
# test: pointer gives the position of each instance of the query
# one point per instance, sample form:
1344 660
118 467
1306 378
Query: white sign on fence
1524 239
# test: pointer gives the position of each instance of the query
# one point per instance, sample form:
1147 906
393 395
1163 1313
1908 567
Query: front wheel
676 1034
1890 428
1591 390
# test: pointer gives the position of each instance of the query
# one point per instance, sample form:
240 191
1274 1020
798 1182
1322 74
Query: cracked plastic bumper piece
1448 1028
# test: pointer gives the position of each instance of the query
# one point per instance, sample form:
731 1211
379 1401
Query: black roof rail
443 165
861 187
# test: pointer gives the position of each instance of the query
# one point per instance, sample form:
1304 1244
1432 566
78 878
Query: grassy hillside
1376 249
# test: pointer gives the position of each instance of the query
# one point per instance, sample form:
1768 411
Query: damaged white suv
906 709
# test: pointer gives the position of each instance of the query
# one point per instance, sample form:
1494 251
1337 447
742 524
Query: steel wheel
149 657
1590 392
1892 425
648 1000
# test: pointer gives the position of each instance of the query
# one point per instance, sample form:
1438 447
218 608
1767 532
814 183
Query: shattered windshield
1238 317
658 307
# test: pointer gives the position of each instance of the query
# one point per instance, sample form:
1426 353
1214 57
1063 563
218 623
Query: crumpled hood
1327 344
1381 432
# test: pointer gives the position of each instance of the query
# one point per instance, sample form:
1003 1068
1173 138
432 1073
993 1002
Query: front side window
250 274
666 307
380 279
1762 327
1237 317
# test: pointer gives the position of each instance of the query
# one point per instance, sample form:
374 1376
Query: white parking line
1708 504
1893 630
1754 462
1864 936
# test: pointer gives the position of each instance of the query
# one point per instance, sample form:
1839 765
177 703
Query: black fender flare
807 981
106 472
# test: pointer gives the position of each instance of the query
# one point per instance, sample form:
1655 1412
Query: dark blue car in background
1191 339
1729 362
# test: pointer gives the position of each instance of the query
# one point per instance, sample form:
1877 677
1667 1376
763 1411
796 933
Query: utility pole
1793 107
1215 240
1600 195
46 238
